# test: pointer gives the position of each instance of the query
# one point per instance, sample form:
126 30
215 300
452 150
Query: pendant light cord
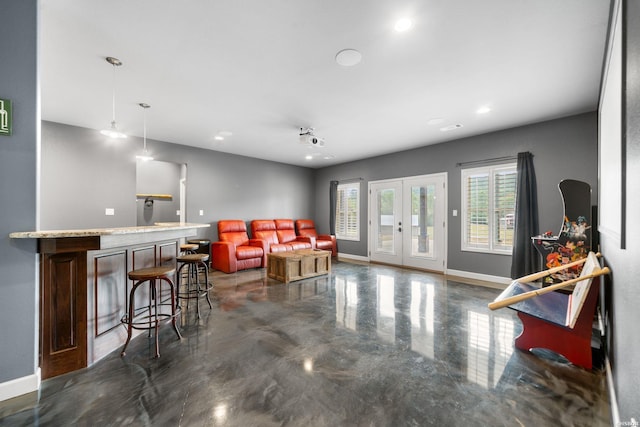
113 96
144 132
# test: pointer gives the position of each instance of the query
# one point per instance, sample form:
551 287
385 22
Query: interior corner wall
83 173
623 290
564 148
18 189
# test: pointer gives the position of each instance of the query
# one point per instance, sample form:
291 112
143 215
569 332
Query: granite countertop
160 226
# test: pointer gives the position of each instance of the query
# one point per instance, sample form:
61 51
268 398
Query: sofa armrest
265 248
307 239
332 238
223 257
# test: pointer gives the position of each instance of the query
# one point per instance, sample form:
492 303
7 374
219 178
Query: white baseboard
20 386
613 401
498 280
353 257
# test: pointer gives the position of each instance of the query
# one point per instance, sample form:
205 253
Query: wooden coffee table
299 264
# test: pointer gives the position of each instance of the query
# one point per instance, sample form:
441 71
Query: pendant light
145 154
113 131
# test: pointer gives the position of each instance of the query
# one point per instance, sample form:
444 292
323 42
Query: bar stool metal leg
154 312
194 262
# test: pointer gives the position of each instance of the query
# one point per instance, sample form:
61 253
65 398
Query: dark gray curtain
525 258
333 195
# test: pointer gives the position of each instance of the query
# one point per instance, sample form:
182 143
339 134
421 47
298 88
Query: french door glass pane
422 220
386 220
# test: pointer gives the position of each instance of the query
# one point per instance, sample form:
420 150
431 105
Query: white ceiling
262 69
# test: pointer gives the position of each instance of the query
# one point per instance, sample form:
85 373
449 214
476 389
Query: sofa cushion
231 225
286 236
306 227
234 231
247 252
281 247
300 245
264 229
238 238
285 231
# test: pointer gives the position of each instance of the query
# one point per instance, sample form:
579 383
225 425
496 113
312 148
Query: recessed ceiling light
451 127
435 121
403 25
483 110
348 57
219 138
308 157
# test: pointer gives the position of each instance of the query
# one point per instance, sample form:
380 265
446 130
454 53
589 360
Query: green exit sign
5 117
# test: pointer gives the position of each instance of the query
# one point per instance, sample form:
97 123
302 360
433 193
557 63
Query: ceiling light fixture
451 127
113 131
403 25
145 154
483 110
222 135
348 57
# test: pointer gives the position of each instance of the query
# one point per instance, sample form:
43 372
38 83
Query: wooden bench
554 320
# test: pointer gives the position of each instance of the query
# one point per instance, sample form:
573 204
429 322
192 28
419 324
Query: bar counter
84 286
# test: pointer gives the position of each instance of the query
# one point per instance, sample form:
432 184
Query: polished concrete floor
364 346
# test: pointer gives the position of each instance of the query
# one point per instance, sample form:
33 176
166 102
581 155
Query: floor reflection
405 313
365 345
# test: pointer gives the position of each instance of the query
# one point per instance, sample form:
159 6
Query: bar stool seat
193 289
157 310
189 248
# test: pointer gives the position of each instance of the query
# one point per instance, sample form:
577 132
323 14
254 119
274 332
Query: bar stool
188 248
204 246
150 316
194 289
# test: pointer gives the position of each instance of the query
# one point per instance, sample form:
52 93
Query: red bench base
574 344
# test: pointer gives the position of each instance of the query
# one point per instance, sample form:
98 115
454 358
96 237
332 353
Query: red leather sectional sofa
279 234
236 251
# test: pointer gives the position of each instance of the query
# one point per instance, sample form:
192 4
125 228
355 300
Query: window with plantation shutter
488 208
348 211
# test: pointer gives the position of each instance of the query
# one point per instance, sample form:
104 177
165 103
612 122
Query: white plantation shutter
348 211
477 210
488 208
504 207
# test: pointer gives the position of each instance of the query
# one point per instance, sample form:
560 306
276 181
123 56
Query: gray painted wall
623 291
83 173
563 149
18 187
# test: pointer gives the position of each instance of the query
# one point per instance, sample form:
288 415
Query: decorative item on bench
573 242
554 320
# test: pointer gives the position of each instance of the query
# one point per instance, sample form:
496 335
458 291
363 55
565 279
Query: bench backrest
581 290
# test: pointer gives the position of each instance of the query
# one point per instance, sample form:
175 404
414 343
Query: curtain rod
350 179
495 159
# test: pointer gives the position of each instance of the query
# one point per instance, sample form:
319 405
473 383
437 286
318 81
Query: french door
407 221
